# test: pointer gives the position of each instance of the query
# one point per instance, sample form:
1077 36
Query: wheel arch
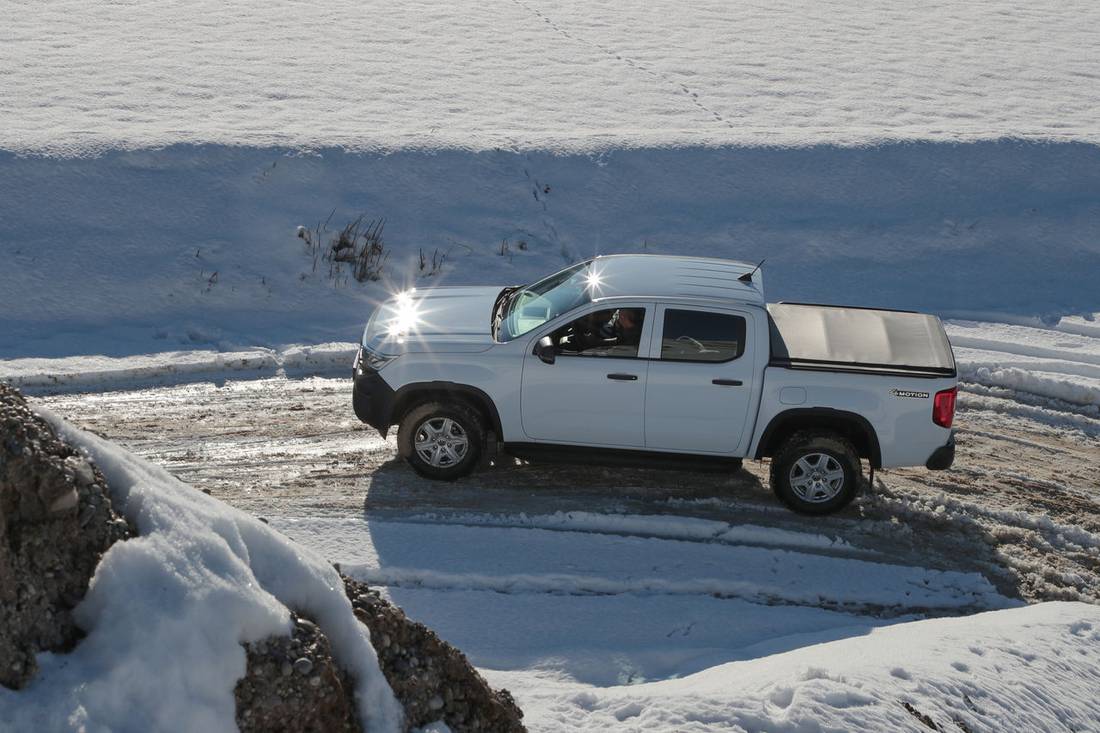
853 426
413 395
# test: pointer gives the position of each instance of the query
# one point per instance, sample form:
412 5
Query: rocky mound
56 521
432 679
293 684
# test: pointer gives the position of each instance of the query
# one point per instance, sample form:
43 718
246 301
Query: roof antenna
747 277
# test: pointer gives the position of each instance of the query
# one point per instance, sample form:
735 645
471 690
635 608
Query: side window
702 336
611 332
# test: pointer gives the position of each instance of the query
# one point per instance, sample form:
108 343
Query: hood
435 319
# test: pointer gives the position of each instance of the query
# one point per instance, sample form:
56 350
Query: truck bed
863 340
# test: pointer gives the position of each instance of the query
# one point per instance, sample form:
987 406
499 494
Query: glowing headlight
406 315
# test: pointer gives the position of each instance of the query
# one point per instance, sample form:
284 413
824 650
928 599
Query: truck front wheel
816 472
441 441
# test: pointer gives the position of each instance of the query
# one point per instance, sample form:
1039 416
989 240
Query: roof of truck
637 275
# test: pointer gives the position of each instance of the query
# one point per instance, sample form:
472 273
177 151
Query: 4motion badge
909 393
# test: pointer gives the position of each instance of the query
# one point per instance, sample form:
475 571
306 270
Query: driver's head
628 319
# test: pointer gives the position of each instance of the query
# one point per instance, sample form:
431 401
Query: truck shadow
534 488
478 578
871 527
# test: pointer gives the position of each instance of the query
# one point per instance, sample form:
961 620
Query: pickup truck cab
649 358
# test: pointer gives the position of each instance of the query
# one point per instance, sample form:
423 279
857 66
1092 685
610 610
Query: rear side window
702 336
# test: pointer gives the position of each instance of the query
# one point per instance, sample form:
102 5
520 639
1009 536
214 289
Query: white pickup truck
647 358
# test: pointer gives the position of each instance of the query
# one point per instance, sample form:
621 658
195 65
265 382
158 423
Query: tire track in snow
1053 560
587 585
726 534
1049 411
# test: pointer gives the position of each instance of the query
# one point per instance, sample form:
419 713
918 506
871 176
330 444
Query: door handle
727 382
624 377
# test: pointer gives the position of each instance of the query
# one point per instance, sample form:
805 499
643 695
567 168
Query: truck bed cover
839 338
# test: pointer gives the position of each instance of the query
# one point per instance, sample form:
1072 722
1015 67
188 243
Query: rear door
700 379
594 392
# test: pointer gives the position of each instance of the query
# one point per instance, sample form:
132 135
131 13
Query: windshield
533 305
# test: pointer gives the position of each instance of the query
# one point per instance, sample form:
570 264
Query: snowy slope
117 255
157 157
562 74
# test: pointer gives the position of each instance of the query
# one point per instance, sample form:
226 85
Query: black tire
464 422
817 495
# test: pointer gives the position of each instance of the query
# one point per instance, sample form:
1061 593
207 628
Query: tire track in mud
1037 557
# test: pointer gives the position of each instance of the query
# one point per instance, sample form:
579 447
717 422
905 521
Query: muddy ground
1021 505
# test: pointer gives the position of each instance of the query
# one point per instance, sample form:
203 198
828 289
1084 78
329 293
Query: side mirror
546 351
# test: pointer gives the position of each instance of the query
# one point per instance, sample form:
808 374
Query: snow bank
1021 404
558 74
1033 668
82 373
1055 368
167 612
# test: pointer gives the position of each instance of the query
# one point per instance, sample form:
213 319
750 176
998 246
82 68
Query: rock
81 469
289 702
443 685
65 502
56 521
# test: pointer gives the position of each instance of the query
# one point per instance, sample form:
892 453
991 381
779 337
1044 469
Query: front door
594 392
700 380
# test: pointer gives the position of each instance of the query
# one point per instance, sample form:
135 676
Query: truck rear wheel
816 472
441 441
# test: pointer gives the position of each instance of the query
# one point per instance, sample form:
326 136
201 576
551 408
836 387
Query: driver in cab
605 333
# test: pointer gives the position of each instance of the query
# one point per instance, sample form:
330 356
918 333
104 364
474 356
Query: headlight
376 361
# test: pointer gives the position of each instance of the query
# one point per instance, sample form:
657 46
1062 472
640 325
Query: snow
95 372
1057 366
166 614
523 559
1033 668
665 527
922 226
596 631
563 74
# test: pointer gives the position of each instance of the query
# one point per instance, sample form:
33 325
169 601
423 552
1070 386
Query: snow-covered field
518 74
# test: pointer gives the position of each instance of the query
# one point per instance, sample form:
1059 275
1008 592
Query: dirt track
1022 504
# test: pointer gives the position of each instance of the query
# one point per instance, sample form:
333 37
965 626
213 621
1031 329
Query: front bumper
372 398
942 458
